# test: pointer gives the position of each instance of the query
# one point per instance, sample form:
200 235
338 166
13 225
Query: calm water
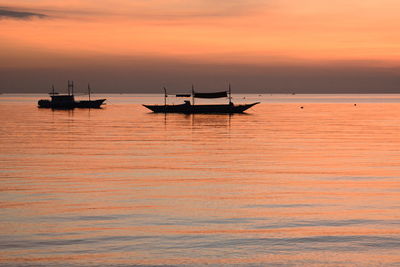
280 186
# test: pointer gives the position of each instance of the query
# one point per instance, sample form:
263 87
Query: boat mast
69 85
192 94
53 92
88 87
230 95
165 96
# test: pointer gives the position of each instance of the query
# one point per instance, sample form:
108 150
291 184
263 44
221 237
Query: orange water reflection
283 185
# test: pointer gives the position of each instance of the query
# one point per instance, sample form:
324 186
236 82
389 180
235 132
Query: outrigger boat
67 101
190 108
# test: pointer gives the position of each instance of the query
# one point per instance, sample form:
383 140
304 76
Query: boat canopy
211 95
183 95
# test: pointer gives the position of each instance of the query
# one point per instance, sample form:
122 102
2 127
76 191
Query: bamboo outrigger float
190 108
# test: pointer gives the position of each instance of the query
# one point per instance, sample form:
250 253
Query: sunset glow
255 32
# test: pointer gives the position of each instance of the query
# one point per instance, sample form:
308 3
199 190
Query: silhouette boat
189 108
68 101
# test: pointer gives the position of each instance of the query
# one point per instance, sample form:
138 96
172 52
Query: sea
298 180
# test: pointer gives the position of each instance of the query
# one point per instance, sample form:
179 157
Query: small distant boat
68 101
190 108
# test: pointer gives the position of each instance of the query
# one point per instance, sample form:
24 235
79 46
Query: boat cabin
62 99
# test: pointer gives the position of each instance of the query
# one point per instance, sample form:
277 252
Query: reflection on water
121 186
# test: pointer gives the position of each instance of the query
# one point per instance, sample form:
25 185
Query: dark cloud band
5 13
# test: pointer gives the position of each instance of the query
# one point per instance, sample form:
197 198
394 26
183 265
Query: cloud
159 10
13 14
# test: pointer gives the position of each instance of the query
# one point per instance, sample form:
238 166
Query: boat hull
89 103
191 109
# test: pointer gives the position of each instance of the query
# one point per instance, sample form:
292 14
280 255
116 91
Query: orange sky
236 31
